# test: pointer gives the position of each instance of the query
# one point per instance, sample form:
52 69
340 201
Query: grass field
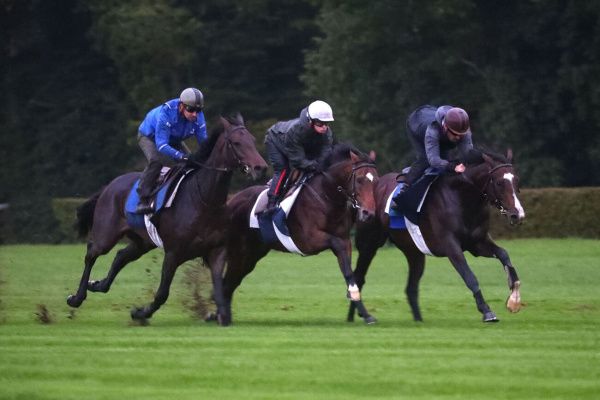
290 340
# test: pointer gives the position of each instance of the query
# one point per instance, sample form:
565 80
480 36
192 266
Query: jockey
301 143
433 133
161 137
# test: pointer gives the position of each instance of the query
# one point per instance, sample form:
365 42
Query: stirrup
144 208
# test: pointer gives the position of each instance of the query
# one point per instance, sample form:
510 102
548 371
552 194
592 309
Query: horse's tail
85 215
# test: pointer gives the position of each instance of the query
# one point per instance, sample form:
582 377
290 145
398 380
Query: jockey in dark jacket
433 133
301 143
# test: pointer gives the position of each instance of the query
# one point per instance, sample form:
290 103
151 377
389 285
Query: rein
231 147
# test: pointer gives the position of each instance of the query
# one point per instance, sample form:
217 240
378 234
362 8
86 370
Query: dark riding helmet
192 97
457 120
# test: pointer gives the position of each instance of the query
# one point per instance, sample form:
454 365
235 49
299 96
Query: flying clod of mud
43 315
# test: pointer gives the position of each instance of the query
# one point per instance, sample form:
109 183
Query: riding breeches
281 168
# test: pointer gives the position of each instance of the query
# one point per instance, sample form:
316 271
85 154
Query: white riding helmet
320 110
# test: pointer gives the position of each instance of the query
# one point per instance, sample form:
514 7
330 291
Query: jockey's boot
145 206
147 182
396 198
271 206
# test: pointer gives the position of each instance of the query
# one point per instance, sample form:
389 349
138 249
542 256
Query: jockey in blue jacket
161 137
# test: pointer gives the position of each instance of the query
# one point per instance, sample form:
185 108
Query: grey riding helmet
192 97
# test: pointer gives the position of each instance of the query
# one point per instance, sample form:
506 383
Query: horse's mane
475 156
340 152
203 152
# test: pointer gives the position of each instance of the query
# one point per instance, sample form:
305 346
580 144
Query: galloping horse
320 219
454 219
192 227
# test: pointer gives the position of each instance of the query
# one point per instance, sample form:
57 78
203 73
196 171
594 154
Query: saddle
162 196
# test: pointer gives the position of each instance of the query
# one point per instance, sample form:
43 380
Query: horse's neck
470 184
211 186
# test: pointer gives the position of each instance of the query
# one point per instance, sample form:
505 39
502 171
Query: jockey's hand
314 167
460 168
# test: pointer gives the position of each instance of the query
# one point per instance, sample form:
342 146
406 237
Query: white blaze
509 177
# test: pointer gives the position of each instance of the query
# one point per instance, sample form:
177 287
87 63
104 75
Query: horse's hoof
95 286
223 320
73 301
490 316
370 320
210 316
513 306
138 314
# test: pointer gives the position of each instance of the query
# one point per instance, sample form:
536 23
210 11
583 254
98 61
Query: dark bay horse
455 219
192 227
321 218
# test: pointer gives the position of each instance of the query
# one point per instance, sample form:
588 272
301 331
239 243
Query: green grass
290 340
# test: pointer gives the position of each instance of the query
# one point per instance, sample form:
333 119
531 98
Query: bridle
230 147
496 202
351 196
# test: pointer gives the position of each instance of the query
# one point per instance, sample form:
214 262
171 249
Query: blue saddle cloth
409 202
137 220
396 217
265 223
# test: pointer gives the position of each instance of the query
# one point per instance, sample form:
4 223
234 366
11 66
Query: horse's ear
489 160
354 157
225 123
239 118
372 155
509 155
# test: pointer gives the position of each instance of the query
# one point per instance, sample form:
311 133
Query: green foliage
526 71
290 340
554 213
65 212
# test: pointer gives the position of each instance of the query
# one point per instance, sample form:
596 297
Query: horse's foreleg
490 249
90 258
367 249
170 264
343 250
124 256
460 264
513 302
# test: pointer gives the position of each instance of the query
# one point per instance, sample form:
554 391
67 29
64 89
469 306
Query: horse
321 219
454 218
192 227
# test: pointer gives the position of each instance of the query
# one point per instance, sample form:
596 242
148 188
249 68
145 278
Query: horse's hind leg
124 256
170 264
488 248
459 262
90 258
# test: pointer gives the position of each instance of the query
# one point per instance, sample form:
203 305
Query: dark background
77 77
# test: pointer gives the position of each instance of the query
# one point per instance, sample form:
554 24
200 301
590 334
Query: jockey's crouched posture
433 132
161 137
301 143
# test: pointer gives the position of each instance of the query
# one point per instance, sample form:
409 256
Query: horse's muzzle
256 172
365 215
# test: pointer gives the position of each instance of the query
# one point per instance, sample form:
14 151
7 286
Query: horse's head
356 176
236 148
502 186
